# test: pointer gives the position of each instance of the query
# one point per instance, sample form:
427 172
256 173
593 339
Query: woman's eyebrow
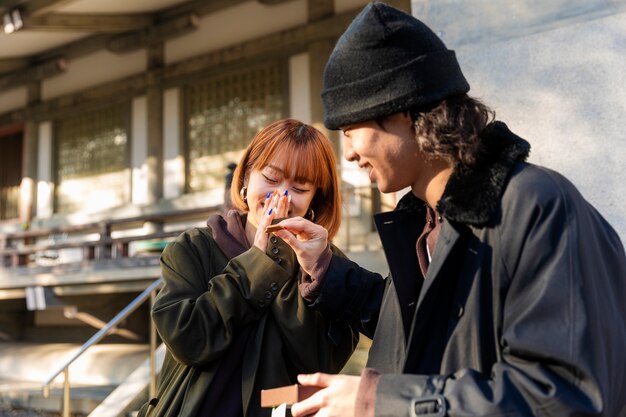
275 168
302 180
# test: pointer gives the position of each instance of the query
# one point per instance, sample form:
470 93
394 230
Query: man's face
389 153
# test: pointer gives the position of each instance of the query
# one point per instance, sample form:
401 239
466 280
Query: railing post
66 392
4 244
104 249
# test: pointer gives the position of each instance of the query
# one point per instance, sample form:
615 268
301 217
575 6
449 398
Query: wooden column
154 98
319 51
30 159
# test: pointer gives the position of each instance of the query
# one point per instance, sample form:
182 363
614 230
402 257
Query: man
506 289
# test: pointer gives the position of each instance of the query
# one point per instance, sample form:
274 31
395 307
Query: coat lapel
448 236
402 257
430 321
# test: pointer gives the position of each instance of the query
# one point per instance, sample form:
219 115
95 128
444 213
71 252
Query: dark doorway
10 175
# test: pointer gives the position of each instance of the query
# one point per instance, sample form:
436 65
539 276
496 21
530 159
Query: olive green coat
207 300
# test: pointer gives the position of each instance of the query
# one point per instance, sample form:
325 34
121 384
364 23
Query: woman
229 311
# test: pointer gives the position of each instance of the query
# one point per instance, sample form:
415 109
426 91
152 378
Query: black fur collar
472 194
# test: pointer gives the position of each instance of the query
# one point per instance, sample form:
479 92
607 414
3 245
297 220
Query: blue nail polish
270 212
269 193
286 192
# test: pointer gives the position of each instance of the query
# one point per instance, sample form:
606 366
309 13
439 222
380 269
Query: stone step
25 366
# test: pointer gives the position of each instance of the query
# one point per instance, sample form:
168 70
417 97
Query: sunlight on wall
173 161
299 88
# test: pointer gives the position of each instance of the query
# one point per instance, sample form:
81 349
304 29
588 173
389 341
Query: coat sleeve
199 311
563 285
351 296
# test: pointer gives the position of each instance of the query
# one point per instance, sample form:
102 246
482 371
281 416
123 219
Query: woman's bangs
307 162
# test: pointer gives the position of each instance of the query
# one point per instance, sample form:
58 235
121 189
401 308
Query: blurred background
121 122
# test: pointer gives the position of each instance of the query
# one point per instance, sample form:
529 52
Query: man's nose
348 152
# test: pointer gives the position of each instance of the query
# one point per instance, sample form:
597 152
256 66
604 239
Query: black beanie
386 62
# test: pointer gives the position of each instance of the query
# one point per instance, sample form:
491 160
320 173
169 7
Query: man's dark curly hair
452 129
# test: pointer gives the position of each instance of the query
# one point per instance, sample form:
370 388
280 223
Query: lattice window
225 112
92 160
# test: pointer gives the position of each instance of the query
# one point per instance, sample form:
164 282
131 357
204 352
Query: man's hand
336 399
307 239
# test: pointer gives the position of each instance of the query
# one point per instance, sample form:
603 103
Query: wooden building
118 120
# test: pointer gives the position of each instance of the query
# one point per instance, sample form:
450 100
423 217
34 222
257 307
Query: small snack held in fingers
273 227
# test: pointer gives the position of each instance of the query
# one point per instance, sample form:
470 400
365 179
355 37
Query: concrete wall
554 72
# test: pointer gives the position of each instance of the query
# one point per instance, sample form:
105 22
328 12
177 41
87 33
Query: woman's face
272 177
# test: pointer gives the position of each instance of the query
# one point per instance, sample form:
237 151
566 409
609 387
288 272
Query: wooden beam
200 7
320 9
12 64
37 72
158 34
87 22
76 49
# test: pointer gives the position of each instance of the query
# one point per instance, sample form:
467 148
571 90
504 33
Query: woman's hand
307 239
276 207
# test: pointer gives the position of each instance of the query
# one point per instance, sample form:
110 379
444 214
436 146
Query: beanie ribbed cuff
421 82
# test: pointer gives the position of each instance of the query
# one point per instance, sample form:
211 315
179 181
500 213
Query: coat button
274 286
459 310
274 250
273 239
268 295
261 303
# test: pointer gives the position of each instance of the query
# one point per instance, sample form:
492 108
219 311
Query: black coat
241 318
522 311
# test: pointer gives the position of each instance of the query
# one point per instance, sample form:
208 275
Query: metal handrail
97 337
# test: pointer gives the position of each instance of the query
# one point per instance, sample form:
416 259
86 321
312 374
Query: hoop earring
310 215
243 193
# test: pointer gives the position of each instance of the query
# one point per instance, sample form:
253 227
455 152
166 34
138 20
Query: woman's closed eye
300 189
270 179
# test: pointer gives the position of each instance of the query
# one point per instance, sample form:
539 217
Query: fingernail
269 193
286 192
270 212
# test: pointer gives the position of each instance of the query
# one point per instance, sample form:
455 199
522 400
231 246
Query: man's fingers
317 379
289 239
307 407
315 402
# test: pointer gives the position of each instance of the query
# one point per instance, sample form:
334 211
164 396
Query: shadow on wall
554 73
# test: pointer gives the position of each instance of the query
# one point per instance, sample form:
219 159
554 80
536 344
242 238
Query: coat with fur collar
521 313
